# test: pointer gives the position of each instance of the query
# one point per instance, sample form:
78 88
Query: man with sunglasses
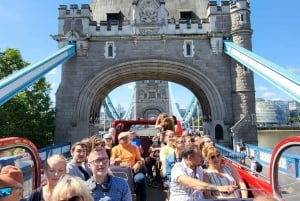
102 184
11 183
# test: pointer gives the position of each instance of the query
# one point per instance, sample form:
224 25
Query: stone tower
151 99
243 84
121 41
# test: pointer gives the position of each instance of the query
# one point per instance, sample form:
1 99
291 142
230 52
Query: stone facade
121 41
151 98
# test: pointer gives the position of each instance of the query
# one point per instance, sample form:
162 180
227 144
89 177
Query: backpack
259 167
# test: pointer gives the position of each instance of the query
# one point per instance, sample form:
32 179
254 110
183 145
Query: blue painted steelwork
109 109
174 107
14 83
275 74
190 110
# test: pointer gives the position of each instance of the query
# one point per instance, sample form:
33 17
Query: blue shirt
118 190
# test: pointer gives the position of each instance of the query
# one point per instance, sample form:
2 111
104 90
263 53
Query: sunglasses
215 156
74 198
108 138
99 161
6 191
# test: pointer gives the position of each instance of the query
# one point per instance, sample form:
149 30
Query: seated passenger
103 185
55 167
167 150
135 140
11 183
71 188
188 180
175 157
153 160
220 174
127 154
77 166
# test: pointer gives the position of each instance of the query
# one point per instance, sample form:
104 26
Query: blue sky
26 25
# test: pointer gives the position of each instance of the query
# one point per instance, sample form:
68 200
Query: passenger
88 143
167 150
71 188
11 183
188 180
176 129
188 139
205 141
127 154
55 167
102 184
220 174
112 133
175 157
108 143
159 120
153 160
168 124
135 140
96 141
77 166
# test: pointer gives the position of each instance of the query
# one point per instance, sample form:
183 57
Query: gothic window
188 48
110 50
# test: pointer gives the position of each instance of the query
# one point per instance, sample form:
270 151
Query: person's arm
197 184
207 194
240 182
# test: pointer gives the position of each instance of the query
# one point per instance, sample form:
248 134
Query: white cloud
130 86
52 72
261 88
294 70
268 94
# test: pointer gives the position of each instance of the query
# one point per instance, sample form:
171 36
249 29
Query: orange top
129 155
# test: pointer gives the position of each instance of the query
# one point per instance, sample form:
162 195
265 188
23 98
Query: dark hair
189 150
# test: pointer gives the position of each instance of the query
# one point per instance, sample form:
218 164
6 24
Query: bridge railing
288 164
62 148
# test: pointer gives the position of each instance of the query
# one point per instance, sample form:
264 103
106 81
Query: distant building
270 113
294 108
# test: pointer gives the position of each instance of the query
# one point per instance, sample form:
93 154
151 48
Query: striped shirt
221 179
180 192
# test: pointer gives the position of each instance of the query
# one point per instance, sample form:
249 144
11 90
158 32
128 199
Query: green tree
28 114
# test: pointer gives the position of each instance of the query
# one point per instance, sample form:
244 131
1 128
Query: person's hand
136 168
227 188
116 161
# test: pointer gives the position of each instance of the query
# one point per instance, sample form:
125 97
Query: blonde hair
67 182
56 158
209 151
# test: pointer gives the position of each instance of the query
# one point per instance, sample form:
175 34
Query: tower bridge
123 41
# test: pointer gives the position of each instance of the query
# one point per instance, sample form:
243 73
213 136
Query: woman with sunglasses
71 188
221 174
55 167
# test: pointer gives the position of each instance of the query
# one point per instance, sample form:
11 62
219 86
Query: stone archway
97 87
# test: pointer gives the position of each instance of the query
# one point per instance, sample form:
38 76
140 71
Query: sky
27 24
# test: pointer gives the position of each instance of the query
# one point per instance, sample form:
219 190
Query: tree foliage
28 114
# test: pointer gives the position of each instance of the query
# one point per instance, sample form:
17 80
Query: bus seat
124 172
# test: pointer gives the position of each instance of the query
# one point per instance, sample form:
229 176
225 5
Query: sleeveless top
225 179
